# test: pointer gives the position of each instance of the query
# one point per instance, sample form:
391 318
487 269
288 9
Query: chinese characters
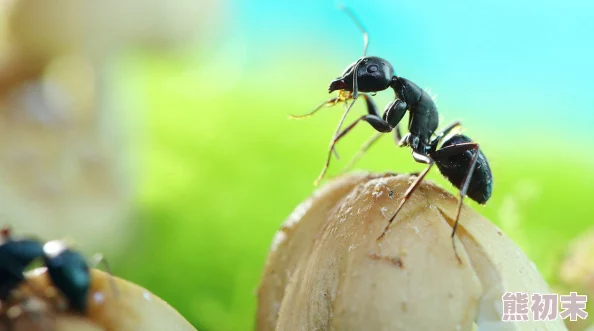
519 306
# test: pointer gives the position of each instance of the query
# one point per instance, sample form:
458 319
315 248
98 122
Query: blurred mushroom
326 271
50 29
577 274
577 269
127 307
66 143
64 165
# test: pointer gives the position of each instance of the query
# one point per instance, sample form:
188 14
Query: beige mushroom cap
37 307
326 271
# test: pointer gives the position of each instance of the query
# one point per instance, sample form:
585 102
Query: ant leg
99 258
441 134
449 128
403 140
376 122
409 192
371 110
363 150
340 123
371 106
400 140
452 150
397 134
445 132
328 103
393 114
354 95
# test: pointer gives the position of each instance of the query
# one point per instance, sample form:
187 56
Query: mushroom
576 274
113 304
67 144
577 269
326 271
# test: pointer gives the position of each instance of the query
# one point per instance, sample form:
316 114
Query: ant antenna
359 25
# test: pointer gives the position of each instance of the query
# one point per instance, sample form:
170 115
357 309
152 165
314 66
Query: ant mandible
67 269
458 158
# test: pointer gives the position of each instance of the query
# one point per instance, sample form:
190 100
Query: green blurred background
213 165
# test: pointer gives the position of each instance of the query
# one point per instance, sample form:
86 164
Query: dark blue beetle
67 269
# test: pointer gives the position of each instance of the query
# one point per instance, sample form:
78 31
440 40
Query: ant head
368 74
373 74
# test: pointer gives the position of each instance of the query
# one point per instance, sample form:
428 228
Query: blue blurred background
524 62
184 105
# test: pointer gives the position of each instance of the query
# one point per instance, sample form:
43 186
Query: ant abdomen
455 168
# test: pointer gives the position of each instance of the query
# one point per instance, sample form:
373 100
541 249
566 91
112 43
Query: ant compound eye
372 68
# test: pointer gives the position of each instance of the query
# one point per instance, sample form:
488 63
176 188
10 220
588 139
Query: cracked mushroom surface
37 306
326 271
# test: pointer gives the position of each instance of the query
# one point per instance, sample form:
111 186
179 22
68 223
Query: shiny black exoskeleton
458 158
67 269
423 116
376 74
455 167
371 74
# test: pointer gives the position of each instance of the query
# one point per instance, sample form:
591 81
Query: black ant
374 74
67 269
458 158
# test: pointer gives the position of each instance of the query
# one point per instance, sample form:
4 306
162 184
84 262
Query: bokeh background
157 131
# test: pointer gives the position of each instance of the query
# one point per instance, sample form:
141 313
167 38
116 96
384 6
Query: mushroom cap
126 307
327 271
47 29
